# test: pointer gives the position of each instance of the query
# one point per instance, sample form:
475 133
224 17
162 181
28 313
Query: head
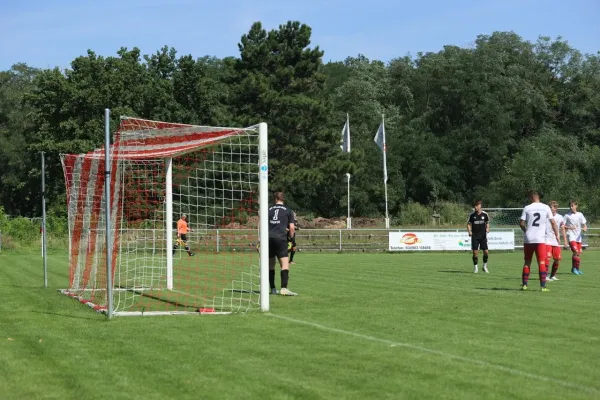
279 197
553 206
533 196
477 205
573 205
184 217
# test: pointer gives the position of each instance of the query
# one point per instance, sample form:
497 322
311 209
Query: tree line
487 121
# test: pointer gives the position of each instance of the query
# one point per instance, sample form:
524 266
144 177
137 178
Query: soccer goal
160 171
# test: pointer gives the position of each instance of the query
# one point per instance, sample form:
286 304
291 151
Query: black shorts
278 248
479 243
183 237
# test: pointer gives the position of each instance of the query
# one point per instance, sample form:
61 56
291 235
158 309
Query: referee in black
281 226
478 226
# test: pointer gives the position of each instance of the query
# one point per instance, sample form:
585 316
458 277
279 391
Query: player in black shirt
478 226
281 226
292 241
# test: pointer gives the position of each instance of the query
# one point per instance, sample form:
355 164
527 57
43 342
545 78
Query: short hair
279 196
183 216
477 203
553 203
533 193
573 202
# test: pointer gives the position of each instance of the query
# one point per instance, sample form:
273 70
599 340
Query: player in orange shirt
182 230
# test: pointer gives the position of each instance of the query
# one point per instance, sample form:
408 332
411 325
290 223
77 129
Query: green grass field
397 326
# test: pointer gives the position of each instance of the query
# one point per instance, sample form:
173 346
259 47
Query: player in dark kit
478 226
292 241
281 226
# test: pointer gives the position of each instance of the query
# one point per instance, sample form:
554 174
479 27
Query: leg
272 274
574 258
484 247
285 269
579 247
557 256
272 260
475 248
293 250
540 255
528 254
176 245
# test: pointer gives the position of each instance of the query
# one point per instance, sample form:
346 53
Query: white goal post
158 172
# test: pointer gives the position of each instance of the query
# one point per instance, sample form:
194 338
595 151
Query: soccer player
478 226
292 241
575 223
552 245
281 225
533 223
182 230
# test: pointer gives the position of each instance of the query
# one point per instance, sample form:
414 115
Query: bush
414 214
452 213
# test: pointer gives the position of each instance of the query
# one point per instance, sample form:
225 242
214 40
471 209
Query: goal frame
263 236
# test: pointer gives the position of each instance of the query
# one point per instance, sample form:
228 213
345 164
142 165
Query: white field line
468 360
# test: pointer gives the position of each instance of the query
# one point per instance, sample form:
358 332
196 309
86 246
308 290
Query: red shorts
554 252
575 246
538 248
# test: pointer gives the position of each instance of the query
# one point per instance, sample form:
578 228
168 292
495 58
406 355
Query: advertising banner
444 241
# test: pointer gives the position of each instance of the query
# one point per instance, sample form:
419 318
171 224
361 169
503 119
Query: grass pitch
414 326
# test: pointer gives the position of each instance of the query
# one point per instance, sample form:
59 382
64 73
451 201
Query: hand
585 228
469 234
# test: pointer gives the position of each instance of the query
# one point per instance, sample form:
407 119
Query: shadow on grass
76 314
455 271
499 289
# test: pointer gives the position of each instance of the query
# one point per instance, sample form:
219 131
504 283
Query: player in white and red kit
575 223
533 222
552 245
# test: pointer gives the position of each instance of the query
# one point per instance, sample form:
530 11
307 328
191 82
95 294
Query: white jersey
536 217
550 238
574 220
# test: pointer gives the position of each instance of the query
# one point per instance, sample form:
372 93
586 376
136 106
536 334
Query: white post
263 188
340 232
107 217
169 219
387 218
348 219
218 239
44 237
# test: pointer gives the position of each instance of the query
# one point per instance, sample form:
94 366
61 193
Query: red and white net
214 183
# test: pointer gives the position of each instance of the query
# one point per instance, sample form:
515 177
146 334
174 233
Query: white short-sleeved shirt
536 217
550 238
576 220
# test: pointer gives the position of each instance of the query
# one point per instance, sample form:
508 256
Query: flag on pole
380 141
346 136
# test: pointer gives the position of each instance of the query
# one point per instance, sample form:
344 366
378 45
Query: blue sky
49 33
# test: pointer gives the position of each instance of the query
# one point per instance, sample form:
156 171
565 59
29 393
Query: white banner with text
440 241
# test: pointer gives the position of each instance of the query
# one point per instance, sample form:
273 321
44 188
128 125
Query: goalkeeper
182 230
292 240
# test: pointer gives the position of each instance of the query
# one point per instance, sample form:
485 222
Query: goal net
160 172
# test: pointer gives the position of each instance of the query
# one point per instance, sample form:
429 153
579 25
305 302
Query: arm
522 225
292 230
469 228
555 229
564 232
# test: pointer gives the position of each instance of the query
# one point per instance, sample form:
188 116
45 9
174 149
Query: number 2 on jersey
536 218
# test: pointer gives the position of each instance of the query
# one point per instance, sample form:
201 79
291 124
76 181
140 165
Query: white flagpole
387 219
346 149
